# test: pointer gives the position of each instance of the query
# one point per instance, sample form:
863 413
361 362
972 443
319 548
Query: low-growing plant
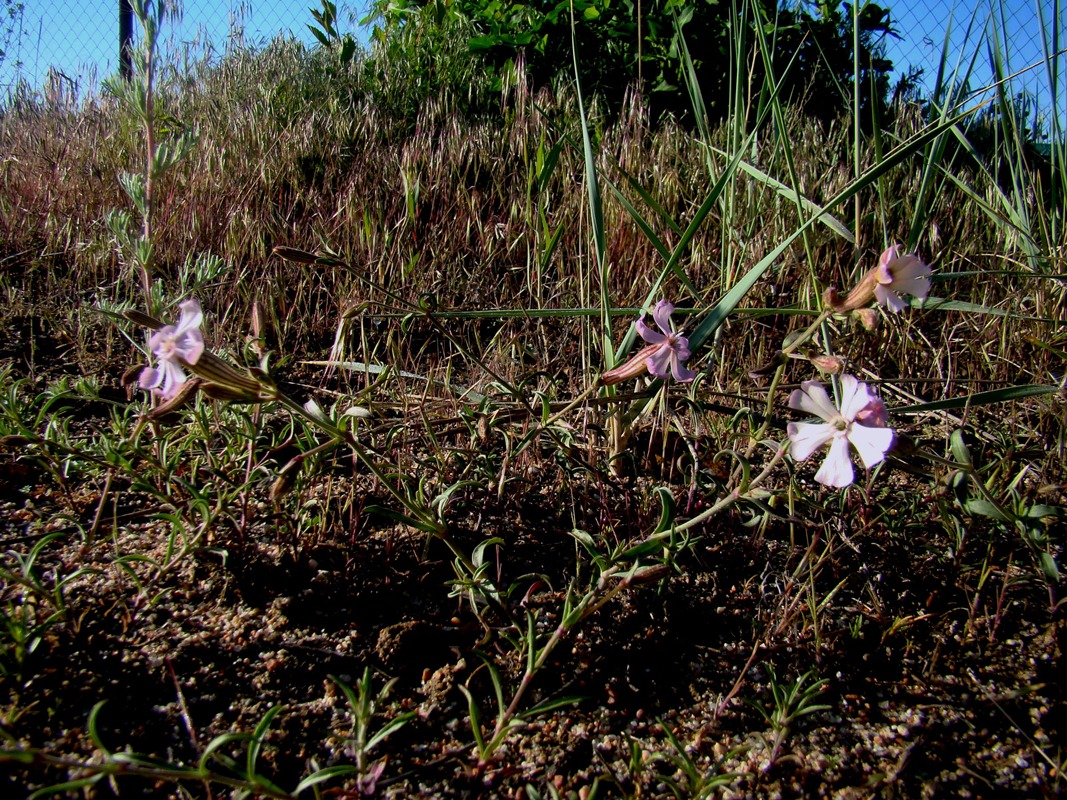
789 703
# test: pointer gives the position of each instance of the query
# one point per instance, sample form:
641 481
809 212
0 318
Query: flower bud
831 365
295 255
286 479
897 273
182 396
867 317
242 385
131 376
637 365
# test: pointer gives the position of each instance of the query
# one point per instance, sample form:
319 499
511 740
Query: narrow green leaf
325 774
81 783
726 305
940 304
257 738
983 508
1040 512
667 509
476 719
22 756
94 734
1048 566
829 220
959 448
980 399
549 165
390 727
549 705
216 744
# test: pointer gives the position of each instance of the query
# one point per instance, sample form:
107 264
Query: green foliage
344 45
11 15
633 44
140 98
484 213
420 54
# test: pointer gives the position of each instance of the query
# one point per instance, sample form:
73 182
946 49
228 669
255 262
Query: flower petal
889 255
649 335
870 443
150 378
160 338
662 314
836 470
889 299
191 316
874 414
807 437
912 277
812 397
681 373
681 347
659 362
190 347
173 378
855 397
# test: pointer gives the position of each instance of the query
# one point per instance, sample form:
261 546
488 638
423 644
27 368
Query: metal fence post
125 39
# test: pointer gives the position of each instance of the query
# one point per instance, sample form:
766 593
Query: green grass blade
726 305
596 210
980 399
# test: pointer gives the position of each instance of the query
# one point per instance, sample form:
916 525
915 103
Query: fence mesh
71 45
68 46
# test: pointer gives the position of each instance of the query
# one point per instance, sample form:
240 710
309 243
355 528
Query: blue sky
80 39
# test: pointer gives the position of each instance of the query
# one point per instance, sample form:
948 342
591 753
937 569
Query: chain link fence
69 46
1027 33
63 48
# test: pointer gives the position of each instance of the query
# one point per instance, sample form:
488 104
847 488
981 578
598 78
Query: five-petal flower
665 354
860 422
174 346
900 273
897 274
671 348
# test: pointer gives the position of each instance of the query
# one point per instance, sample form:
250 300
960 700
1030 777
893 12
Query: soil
940 681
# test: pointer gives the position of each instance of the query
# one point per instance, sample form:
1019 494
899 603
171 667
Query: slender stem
733 496
150 155
808 333
586 608
577 401
167 773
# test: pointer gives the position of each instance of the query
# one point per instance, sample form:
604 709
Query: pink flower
672 349
664 356
174 346
898 274
861 423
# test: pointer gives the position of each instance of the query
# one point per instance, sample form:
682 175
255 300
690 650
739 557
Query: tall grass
278 167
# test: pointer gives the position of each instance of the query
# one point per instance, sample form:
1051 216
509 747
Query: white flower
861 423
174 346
